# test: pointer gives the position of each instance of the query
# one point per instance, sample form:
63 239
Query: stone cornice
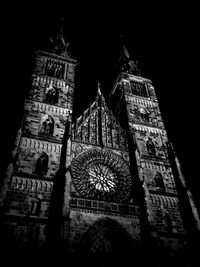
57 57
41 106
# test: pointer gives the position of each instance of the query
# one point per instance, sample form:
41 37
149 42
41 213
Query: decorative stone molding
42 107
40 145
31 184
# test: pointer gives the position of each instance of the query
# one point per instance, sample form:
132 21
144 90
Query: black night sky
163 38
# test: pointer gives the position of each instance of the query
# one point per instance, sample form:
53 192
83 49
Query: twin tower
103 190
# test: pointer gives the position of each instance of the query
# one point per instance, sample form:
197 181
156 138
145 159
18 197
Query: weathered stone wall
158 138
29 152
165 214
35 113
151 168
63 89
28 197
144 111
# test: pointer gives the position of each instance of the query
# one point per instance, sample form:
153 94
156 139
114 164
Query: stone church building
103 190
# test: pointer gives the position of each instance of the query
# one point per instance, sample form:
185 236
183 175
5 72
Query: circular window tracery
102 178
102 175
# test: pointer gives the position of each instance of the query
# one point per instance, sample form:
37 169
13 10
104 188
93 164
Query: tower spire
126 62
99 89
99 94
58 42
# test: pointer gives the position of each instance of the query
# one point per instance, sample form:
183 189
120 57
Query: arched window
159 181
54 68
167 222
35 206
42 164
46 125
138 89
150 147
143 91
105 243
51 94
144 114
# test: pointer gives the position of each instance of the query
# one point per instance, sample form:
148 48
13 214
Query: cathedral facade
103 190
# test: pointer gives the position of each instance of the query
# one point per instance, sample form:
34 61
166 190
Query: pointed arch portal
106 243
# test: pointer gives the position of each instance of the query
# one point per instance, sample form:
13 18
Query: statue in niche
167 223
144 115
42 164
51 94
159 181
150 146
47 125
35 206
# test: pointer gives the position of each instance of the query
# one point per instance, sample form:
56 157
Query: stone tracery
101 174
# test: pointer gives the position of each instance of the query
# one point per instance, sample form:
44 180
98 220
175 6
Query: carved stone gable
98 126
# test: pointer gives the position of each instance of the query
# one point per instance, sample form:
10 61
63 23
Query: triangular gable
98 126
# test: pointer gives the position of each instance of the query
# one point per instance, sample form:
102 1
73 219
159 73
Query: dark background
163 38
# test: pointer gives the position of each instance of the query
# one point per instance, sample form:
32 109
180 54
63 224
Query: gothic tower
103 190
36 158
169 218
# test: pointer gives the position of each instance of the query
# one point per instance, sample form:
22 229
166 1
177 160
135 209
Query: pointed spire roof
99 94
126 62
58 42
99 89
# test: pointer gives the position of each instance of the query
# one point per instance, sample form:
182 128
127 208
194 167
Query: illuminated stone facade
117 189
